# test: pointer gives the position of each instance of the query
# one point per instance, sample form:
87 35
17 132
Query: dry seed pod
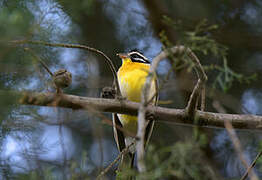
62 78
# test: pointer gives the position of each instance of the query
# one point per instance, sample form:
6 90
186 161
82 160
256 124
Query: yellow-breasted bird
131 78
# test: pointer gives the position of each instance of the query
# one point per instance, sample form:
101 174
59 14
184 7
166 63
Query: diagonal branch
124 151
251 166
40 60
76 46
239 150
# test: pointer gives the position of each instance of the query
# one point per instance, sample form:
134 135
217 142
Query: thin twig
58 89
251 166
40 60
125 150
64 154
108 60
192 103
203 98
218 106
200 69
238 148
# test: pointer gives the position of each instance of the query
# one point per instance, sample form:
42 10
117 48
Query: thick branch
127 107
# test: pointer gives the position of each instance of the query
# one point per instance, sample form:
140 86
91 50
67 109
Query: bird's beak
122 55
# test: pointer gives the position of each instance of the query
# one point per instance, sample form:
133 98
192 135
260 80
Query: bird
131 77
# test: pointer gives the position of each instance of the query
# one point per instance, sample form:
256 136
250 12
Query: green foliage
199 40
15 22
7 103
226 76
183 160
76 170
46 174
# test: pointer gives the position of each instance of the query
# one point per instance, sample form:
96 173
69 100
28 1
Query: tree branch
192 103
127 107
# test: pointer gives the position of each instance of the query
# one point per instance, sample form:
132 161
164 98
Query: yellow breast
131 78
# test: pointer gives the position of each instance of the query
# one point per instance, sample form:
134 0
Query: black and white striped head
135 56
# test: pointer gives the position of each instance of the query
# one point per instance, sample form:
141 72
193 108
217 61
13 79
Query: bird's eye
138 57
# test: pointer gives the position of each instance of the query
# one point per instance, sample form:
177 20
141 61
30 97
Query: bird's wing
118 135
127 160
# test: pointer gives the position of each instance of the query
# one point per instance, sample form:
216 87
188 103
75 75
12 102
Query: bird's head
133 56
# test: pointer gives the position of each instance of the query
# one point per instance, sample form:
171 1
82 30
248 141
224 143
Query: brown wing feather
128 159
118 135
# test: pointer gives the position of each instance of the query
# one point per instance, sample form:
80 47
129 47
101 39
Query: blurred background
57 143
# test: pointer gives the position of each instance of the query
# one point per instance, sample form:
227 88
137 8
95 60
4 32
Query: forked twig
192 103
144 98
